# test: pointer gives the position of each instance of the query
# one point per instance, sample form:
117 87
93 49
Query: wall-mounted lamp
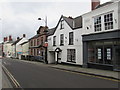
115 20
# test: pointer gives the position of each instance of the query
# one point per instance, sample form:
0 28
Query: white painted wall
119 15
88 21
7 49
88 18
25 49
19 47
77 44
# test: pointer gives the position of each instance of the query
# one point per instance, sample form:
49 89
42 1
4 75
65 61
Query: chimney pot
24 35
94 4
70 17
4 39
10 38
18 38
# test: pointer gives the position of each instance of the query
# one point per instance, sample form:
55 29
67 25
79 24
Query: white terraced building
90 40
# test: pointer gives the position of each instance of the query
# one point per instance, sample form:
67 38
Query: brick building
37 43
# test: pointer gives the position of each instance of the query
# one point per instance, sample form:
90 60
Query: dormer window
62 24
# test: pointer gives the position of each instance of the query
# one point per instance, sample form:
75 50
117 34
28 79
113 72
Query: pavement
90 71
5 81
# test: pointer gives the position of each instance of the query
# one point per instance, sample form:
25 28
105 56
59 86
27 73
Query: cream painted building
17 47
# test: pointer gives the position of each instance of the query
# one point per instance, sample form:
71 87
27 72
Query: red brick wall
36 42
94 3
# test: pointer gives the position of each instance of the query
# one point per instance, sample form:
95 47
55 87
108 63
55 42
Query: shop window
99 55
100 52
108 55
91 53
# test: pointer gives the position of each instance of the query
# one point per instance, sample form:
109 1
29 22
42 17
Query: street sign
46 44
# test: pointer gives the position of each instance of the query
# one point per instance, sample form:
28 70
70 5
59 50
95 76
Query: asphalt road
30 75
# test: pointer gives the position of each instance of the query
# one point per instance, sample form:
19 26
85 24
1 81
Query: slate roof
15 42
51 31
24 43
77 23
69 21
35 36
104 4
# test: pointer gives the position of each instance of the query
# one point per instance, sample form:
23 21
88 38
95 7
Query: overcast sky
19 17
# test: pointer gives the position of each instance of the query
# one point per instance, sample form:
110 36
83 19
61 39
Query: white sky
20 16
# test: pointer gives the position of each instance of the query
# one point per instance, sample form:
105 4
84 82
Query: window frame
108 21
71 55
62 24
71 38
97 23
54 40
61 39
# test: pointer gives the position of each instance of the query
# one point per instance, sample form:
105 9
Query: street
29 75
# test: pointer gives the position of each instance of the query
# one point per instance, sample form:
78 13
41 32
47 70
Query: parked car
23 57
39 58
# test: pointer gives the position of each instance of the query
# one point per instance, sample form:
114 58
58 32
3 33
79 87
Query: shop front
102 50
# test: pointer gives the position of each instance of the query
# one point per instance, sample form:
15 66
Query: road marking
17 85
75 72
90 75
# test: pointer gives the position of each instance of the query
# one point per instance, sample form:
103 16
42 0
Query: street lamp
45 20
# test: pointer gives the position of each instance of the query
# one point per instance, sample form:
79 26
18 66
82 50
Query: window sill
70 44
61 44
71 62
61 28
54 45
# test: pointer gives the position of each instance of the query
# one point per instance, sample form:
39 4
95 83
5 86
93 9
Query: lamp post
45 31
45 20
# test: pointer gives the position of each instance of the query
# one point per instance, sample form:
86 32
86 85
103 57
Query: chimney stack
24 35
4 39
18 38
94 4
70 17
10 38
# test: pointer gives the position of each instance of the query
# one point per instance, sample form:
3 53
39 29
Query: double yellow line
17 85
